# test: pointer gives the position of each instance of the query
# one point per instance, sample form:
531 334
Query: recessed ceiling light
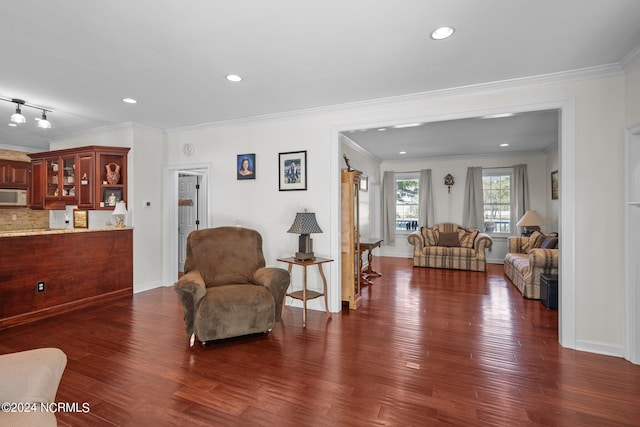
13 125
233 78
504 145
407 125
129 100
382 129
442 33
402 152
498 115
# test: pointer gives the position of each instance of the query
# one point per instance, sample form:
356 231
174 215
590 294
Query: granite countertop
47 231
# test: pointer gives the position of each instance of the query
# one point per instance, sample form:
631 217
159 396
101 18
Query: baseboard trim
148 286
600 348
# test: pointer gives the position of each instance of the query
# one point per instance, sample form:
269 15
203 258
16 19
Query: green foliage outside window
496 191
407 204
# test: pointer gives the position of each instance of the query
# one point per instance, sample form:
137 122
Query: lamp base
119 221
305 256
527 230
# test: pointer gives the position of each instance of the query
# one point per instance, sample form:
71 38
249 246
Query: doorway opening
186 209
566 205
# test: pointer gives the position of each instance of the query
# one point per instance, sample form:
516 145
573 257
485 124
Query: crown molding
495 155
358 149
600 71
118 127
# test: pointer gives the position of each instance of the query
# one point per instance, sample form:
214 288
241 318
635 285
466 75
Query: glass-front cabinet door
53 178
69 177
60 179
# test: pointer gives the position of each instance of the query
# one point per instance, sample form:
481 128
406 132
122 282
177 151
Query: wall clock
188 149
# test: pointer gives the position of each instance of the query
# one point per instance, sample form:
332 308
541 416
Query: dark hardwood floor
427 347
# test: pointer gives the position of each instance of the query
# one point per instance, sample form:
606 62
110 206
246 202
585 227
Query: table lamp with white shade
118 213
530 222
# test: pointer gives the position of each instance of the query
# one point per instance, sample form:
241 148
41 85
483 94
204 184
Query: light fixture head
442 33
129 100
233 78
17 117
43 122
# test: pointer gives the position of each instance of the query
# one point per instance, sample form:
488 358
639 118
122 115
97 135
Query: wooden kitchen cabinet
14 174
78 176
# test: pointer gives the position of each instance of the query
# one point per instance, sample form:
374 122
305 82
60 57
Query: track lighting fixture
43 122
19 118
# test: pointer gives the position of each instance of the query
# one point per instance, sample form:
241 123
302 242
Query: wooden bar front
78 268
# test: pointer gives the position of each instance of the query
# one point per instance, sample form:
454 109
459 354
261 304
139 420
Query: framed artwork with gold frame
554 185
80 218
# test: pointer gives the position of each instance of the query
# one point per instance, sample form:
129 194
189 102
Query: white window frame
404 176
501 172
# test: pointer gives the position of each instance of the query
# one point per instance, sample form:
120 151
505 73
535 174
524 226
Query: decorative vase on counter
113 173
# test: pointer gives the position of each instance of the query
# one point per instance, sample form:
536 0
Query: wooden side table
369 271
304 295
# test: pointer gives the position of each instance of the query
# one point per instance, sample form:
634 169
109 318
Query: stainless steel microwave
13 197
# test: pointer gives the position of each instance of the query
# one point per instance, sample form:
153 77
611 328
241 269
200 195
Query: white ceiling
532 132
79 58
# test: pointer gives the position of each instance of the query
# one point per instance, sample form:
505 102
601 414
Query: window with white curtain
407 201
497 199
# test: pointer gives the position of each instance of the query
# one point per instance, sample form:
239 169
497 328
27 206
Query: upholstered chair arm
417 240
277 281
544 259
483 241
31 376
191 289
516 243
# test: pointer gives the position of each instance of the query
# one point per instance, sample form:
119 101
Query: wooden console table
368 272
304 295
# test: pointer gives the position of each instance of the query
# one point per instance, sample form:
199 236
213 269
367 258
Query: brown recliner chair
226 290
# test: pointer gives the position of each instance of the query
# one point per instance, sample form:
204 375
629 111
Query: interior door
187 213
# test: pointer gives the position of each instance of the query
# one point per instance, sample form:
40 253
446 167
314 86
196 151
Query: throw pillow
536 239
531 241
467 237
549 243
450 240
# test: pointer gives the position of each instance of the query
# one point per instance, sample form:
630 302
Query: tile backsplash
23 219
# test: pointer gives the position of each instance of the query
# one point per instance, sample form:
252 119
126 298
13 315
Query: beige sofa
30 382
451 246
526 261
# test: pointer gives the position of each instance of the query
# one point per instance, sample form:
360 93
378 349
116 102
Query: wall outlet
40 286
14 217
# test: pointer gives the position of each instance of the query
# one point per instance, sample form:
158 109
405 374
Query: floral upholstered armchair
226 290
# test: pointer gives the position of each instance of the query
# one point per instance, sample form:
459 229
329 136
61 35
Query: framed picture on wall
246 166
80 218
111 197
292 171
364 183
554 185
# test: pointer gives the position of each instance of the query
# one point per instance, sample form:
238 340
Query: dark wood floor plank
427 347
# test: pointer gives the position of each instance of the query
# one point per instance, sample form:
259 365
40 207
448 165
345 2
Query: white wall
553 206
449 206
